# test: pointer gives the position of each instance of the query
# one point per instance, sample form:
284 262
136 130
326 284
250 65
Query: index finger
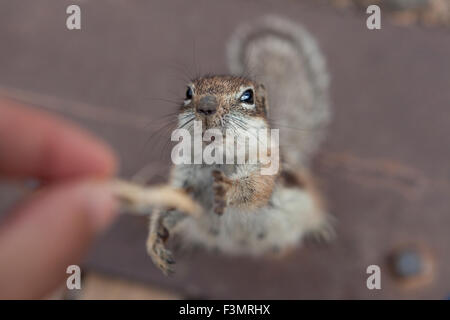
37 144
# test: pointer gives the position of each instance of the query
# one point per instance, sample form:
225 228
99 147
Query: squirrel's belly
273 228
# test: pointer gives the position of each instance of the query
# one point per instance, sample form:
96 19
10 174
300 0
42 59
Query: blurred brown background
384 167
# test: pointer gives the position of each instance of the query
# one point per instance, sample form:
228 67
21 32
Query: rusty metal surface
384 168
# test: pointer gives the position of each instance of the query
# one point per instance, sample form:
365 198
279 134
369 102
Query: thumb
48 232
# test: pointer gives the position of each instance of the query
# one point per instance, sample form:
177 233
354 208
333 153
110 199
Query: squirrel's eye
247 96
188 93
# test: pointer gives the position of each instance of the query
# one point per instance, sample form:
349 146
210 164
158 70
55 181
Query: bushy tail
286 59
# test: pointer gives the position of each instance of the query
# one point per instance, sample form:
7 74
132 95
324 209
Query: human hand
53 227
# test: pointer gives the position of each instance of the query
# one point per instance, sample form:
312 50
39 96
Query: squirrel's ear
261 95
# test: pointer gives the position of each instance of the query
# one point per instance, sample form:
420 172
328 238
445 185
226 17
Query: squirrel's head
224 102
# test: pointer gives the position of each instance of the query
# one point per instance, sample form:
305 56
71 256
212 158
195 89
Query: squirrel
234 208
244 211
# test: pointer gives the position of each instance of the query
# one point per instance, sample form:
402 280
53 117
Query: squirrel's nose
207 105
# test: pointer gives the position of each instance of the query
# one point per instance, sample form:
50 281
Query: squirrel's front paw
161 256
221 186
